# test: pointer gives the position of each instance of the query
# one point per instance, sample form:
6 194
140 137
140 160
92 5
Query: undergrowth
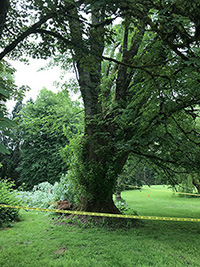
45 195
8 197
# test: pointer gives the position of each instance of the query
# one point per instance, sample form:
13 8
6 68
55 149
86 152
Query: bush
8 197
39 197
65 189
44 195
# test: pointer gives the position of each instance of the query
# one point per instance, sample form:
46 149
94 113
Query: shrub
39 197
65 189
45 194
8 197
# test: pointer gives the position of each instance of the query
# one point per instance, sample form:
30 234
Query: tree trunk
196 184
101 160
99 205
101 167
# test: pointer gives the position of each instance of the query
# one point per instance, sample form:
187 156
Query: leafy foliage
45 195
71 154
8 90
11 161
8 197
45 127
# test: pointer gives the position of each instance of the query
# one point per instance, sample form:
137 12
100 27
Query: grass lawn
158 200
37 241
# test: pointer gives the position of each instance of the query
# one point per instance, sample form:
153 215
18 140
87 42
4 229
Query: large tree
139 81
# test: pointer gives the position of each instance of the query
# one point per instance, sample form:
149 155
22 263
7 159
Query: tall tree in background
8 90
12 141
139 81
45 127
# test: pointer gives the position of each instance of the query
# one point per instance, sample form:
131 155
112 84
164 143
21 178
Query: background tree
45 127
137 172
12 141
8 90
143 101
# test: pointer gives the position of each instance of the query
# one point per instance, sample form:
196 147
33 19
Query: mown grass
162 202
37 241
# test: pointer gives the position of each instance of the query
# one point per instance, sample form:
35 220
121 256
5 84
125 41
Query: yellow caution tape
182 193
155 218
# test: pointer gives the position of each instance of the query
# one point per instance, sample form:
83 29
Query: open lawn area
158 200
38 241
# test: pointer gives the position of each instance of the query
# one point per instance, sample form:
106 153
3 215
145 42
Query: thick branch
124 75
141 67
25 34
54 34
153 157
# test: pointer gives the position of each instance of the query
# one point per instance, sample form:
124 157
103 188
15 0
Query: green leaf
6 122
3 150
4 92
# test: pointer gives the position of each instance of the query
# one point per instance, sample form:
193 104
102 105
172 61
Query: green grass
36 241
162 202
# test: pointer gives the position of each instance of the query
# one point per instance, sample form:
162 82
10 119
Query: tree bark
101 168
196 184
99 205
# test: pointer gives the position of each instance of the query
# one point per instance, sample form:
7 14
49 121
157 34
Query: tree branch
184 132
25 34
54 34
129 65
153 157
